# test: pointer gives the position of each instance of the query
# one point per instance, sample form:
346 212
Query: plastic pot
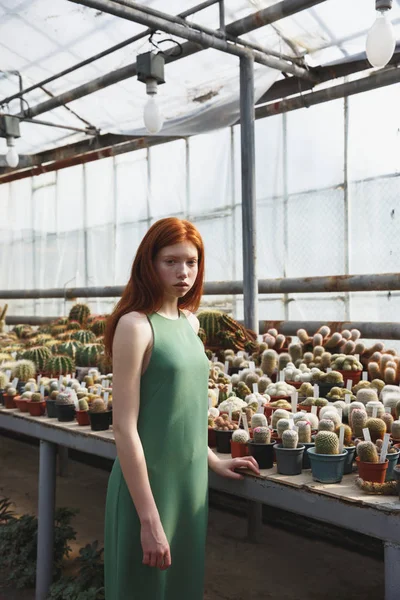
348 463
212 440
375 472
82 416
263 453
22 404
21 386
239 450
306 458
325 388
101 421
289 461
223 441
36 409
392 458
327 468
51 408
1 396
9 401
396 474
65 412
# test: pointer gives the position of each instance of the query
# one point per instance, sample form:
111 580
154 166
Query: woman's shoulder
134 320
193 320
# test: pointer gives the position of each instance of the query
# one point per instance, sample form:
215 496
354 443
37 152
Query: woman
156 512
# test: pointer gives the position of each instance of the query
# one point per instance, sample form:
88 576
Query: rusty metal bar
379 331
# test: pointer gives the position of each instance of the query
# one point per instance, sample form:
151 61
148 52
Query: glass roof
39 38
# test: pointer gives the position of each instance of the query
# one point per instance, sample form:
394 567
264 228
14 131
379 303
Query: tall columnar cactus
3 380
283 360
89 355
258 420
269 362
261 435
377 428
388 420
39 355
396 430
296 352
326 442
263 383
367 395
278 414
304 430
24 370
84 336
375 404
283 425
79 312
358 421
348 435
367 452
60 365
290 438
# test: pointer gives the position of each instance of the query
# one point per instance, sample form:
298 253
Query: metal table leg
47 496
392 571
254 520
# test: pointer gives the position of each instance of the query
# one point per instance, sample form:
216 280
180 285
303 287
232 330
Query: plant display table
341 504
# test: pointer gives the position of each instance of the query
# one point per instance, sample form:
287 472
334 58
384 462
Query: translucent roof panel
40 38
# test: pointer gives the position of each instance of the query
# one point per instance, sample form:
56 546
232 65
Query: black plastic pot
65 412
396 476
223 441
263 453
306 460
20 386
51 408
348 463
100 421
325 388
289 461
1 397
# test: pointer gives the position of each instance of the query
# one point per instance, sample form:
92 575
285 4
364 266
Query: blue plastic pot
392 458
348 463
327 468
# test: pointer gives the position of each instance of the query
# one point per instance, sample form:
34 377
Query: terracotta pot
375 472
9 401
239 450
296 384
36 409
354 376
82 416
305 408
22 404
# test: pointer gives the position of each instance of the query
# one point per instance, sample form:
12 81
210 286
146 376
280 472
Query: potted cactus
51 404
22 401
350 447
82 414
65 407
99 415
327 464
369 467
10 395
289 454
239 440
3 382
395 432
37 405
304 432
377 429
392 456
261 447
24 370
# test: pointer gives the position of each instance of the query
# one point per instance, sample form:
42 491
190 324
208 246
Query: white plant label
229 388
316 390
8 373
106 383
41 390
14 382
314 410
357 357
252 365
214 359
364 376
294 400
340 413
99 389
329 369
341 439
349 384
385 447
69 377
60 380
240 353
245 423
83 384
217 391
291 424
240 419
260 408
255 388
230 412
374 412
260 338
281 375
105 398
366 434
14 355
76 401
347 398
209 402
38 379
226 367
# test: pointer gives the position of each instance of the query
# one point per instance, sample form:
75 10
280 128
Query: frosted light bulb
381 41
152 116
12 158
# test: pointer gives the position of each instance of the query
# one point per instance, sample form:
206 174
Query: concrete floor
284 565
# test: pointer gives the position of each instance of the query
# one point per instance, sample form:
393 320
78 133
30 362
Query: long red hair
144 292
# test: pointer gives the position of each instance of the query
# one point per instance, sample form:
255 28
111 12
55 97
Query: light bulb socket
150 65
151 87
382 5
9 127
10 142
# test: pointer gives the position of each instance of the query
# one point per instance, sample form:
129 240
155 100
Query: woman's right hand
156 551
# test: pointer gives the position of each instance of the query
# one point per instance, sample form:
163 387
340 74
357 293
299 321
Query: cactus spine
290 438
377 428
261 435
80 313
304 430
326 442
367 452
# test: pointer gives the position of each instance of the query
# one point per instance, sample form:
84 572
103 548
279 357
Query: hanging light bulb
152 116
381 41
12 158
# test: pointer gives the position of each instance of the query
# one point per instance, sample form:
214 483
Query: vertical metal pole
85 230
47 495
115 217
34 257
285 210
148 198
248 193
392 571
233 209
221 15
346 204
187 165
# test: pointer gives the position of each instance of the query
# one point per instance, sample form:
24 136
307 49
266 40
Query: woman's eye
170 262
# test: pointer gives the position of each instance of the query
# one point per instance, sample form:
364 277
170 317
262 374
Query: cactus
258 420
24 370
263 383
348 435
38 355
334 377
377 428
396 430
320 402
282 425
367 395
64 399
240 436
11 391
278 414
69 348
334 340
374 370
388 420
306 390
389 488
242 390
3 380
304 430
251 378
89 355
326 360
370 406
326 442
83 405
99 327
80 313
283 360
261 435
367 452
60 365
358 421
326 425
295 351
84 336
36 397
269 362
290 438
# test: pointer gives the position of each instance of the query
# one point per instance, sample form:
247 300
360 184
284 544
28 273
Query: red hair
144 292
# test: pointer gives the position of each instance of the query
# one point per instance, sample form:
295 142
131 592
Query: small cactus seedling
326 442
261 435
367 452
290 438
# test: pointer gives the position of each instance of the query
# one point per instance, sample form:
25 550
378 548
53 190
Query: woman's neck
169 309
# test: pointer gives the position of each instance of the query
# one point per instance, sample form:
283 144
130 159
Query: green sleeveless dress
172 426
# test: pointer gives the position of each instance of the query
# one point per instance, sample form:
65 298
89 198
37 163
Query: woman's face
177 267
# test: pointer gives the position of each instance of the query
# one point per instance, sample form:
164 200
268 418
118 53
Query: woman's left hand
227 468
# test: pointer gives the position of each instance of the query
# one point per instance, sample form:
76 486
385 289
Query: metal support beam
379 331
249 207
392 571
47 487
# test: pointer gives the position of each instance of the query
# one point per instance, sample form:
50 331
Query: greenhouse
269 131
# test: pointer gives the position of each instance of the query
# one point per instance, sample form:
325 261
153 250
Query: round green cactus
261 435
83 405
367 452
290 438
60 365
80 313
89 355
24 370
69 348
39 355
326 442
